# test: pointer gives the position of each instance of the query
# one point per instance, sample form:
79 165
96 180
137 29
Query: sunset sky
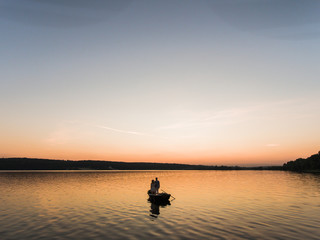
201 82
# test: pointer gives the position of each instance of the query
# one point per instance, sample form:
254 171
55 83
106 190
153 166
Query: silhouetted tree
311 163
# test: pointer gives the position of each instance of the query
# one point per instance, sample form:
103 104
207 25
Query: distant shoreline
50 164
307 165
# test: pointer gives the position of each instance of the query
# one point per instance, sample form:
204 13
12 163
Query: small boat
159 198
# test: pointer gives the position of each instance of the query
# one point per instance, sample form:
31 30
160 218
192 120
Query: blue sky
232 82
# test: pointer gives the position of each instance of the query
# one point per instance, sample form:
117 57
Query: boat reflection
158 200
155 208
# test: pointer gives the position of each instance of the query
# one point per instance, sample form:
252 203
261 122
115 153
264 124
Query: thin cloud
60 136
61 13
226 117
205 119
272 145
261 15
124 131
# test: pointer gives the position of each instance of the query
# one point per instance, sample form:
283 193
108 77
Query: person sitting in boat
153 187
157 185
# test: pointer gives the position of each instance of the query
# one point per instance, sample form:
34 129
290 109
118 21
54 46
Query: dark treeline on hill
310 164
46 164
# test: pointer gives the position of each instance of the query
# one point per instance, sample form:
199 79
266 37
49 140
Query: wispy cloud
271 14
124 131
70 131
61 13
209 118
60 136
272 145
225 117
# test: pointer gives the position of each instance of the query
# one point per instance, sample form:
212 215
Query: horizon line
245 165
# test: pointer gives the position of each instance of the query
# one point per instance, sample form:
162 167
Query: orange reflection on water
95 204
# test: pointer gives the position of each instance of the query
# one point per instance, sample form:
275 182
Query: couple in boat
155 185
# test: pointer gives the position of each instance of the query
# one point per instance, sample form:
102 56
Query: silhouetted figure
153 187
157 185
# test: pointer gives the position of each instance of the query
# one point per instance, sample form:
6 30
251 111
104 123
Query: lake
113 205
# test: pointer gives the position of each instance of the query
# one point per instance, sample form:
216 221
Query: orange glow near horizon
244 141
272 155
261 134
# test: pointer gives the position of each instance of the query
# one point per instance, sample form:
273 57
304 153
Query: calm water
113 205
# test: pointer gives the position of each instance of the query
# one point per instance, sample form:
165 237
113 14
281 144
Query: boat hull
160 198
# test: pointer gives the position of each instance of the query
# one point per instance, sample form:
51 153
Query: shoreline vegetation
310 164
49 164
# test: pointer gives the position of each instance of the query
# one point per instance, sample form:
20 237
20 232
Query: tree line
310 164
48 164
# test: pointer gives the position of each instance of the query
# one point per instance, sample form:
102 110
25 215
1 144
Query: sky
232 82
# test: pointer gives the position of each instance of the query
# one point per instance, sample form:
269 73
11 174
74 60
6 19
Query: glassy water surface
113 205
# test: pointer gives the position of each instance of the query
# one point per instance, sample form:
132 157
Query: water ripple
113 205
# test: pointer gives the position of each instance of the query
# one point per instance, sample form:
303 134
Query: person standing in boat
153 187
157 185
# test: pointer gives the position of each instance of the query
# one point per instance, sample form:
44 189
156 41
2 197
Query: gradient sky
201 82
